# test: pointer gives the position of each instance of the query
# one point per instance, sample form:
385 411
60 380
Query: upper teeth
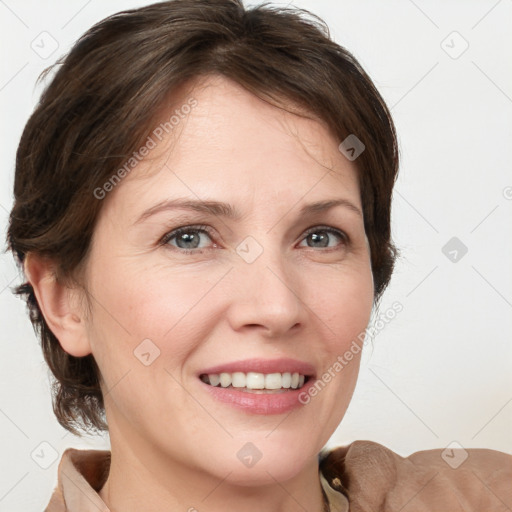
253 380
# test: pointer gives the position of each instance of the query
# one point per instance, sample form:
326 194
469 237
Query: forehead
219 141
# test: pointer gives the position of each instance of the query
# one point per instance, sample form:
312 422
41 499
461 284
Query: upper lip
282 365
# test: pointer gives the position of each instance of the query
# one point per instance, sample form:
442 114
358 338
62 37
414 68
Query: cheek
144 327
343 302
160 304
344 308
166 304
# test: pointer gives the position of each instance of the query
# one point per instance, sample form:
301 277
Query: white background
441 370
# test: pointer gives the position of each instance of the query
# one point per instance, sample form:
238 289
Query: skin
173 446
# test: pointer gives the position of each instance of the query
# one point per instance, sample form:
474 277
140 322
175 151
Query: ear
59 305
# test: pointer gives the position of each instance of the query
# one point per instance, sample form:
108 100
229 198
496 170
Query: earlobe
59 305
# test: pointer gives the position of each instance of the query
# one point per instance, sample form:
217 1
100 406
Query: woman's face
271 290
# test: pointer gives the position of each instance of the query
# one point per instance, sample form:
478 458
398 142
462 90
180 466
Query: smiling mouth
254 382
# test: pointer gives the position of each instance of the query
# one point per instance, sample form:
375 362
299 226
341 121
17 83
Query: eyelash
207 230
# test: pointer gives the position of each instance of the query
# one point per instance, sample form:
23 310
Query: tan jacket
361 477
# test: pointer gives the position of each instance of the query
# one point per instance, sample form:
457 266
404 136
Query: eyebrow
220 209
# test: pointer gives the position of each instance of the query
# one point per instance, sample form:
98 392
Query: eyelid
209 231
192 227
329 229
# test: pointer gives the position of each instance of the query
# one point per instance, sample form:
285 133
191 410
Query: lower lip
264 403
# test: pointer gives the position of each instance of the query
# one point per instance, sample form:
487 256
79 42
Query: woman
202 212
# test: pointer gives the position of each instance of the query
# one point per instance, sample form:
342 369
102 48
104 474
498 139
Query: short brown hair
100 106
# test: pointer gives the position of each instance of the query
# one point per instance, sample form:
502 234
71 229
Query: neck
142 478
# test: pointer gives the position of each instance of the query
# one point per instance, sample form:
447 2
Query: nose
267 296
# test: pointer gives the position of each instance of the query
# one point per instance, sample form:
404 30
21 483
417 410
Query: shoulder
80 475
374 478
